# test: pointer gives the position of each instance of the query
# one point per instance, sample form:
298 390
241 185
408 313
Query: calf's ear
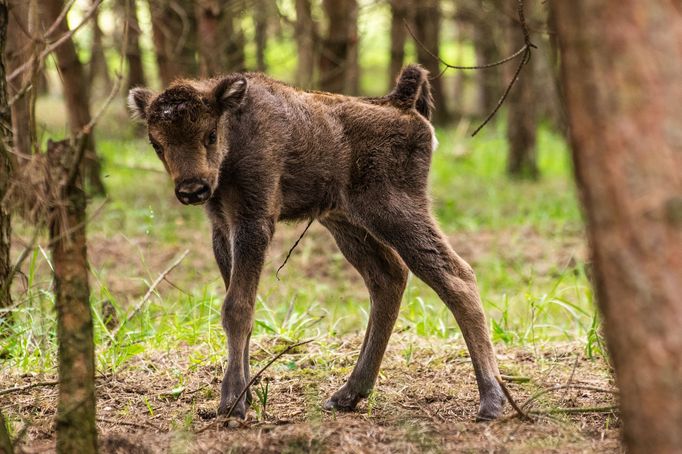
230 91
138 101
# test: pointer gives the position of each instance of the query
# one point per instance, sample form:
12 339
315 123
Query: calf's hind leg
407 226
385 277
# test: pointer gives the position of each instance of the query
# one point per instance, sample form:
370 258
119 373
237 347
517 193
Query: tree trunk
128 10
76 93
5 167
352 82
427 31
400 13
174 27
305 44
211 43
521 115
485 18
76 429
336 56
18 52
260 24
98 72
621 73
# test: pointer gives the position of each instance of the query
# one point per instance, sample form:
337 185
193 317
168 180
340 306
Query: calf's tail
413 91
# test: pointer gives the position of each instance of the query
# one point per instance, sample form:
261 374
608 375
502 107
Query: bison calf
256 151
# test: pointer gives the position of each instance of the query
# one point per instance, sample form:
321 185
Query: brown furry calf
256 151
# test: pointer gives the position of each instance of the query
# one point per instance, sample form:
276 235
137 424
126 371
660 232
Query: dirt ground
425 401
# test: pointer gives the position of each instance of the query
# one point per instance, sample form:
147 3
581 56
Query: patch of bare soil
425 401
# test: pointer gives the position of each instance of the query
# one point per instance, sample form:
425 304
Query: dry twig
150 292
17 389
253 379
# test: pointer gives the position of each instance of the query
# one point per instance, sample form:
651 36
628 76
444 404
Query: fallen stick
253 379
25 387
523 415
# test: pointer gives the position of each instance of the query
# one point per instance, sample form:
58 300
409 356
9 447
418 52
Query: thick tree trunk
400 12
17 52
352 81
337 55
427 31
522 116
305 44
174 35
5 167
128 10
621 72
76 429
76 93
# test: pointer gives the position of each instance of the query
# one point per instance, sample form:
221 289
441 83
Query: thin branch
143 301
542 392
58 42
294 247
253 379
577 410
523 415
130 424
17 389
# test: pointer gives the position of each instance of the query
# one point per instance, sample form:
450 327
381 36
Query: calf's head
188 127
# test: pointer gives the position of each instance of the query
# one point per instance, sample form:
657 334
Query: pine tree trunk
400 13
128 10
17 52
486 23
522 115
76 429
5 167
336 56
260 25
98 72
76 93
305 44
174 34
211 44
427 31
621 73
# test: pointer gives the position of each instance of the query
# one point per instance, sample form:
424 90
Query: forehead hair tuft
178 104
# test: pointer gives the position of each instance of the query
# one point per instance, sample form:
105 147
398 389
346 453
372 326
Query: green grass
531 292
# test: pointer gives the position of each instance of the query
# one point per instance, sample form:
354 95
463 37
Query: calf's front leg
250 241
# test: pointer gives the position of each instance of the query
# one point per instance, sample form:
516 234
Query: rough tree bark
76 93
336 55
76 429
174 35
621 72
522 113
5 167
128 10
427 31
305 44
400 12
219 38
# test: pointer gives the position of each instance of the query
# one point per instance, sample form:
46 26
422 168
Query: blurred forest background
505 198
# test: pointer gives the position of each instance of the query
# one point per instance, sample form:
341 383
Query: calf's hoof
238 412
343 400
492 405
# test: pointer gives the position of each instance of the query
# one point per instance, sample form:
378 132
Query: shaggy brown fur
256 151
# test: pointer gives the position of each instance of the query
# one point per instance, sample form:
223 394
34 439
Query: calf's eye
212 138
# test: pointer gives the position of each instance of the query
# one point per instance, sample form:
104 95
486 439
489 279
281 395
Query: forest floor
158 377
425 401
